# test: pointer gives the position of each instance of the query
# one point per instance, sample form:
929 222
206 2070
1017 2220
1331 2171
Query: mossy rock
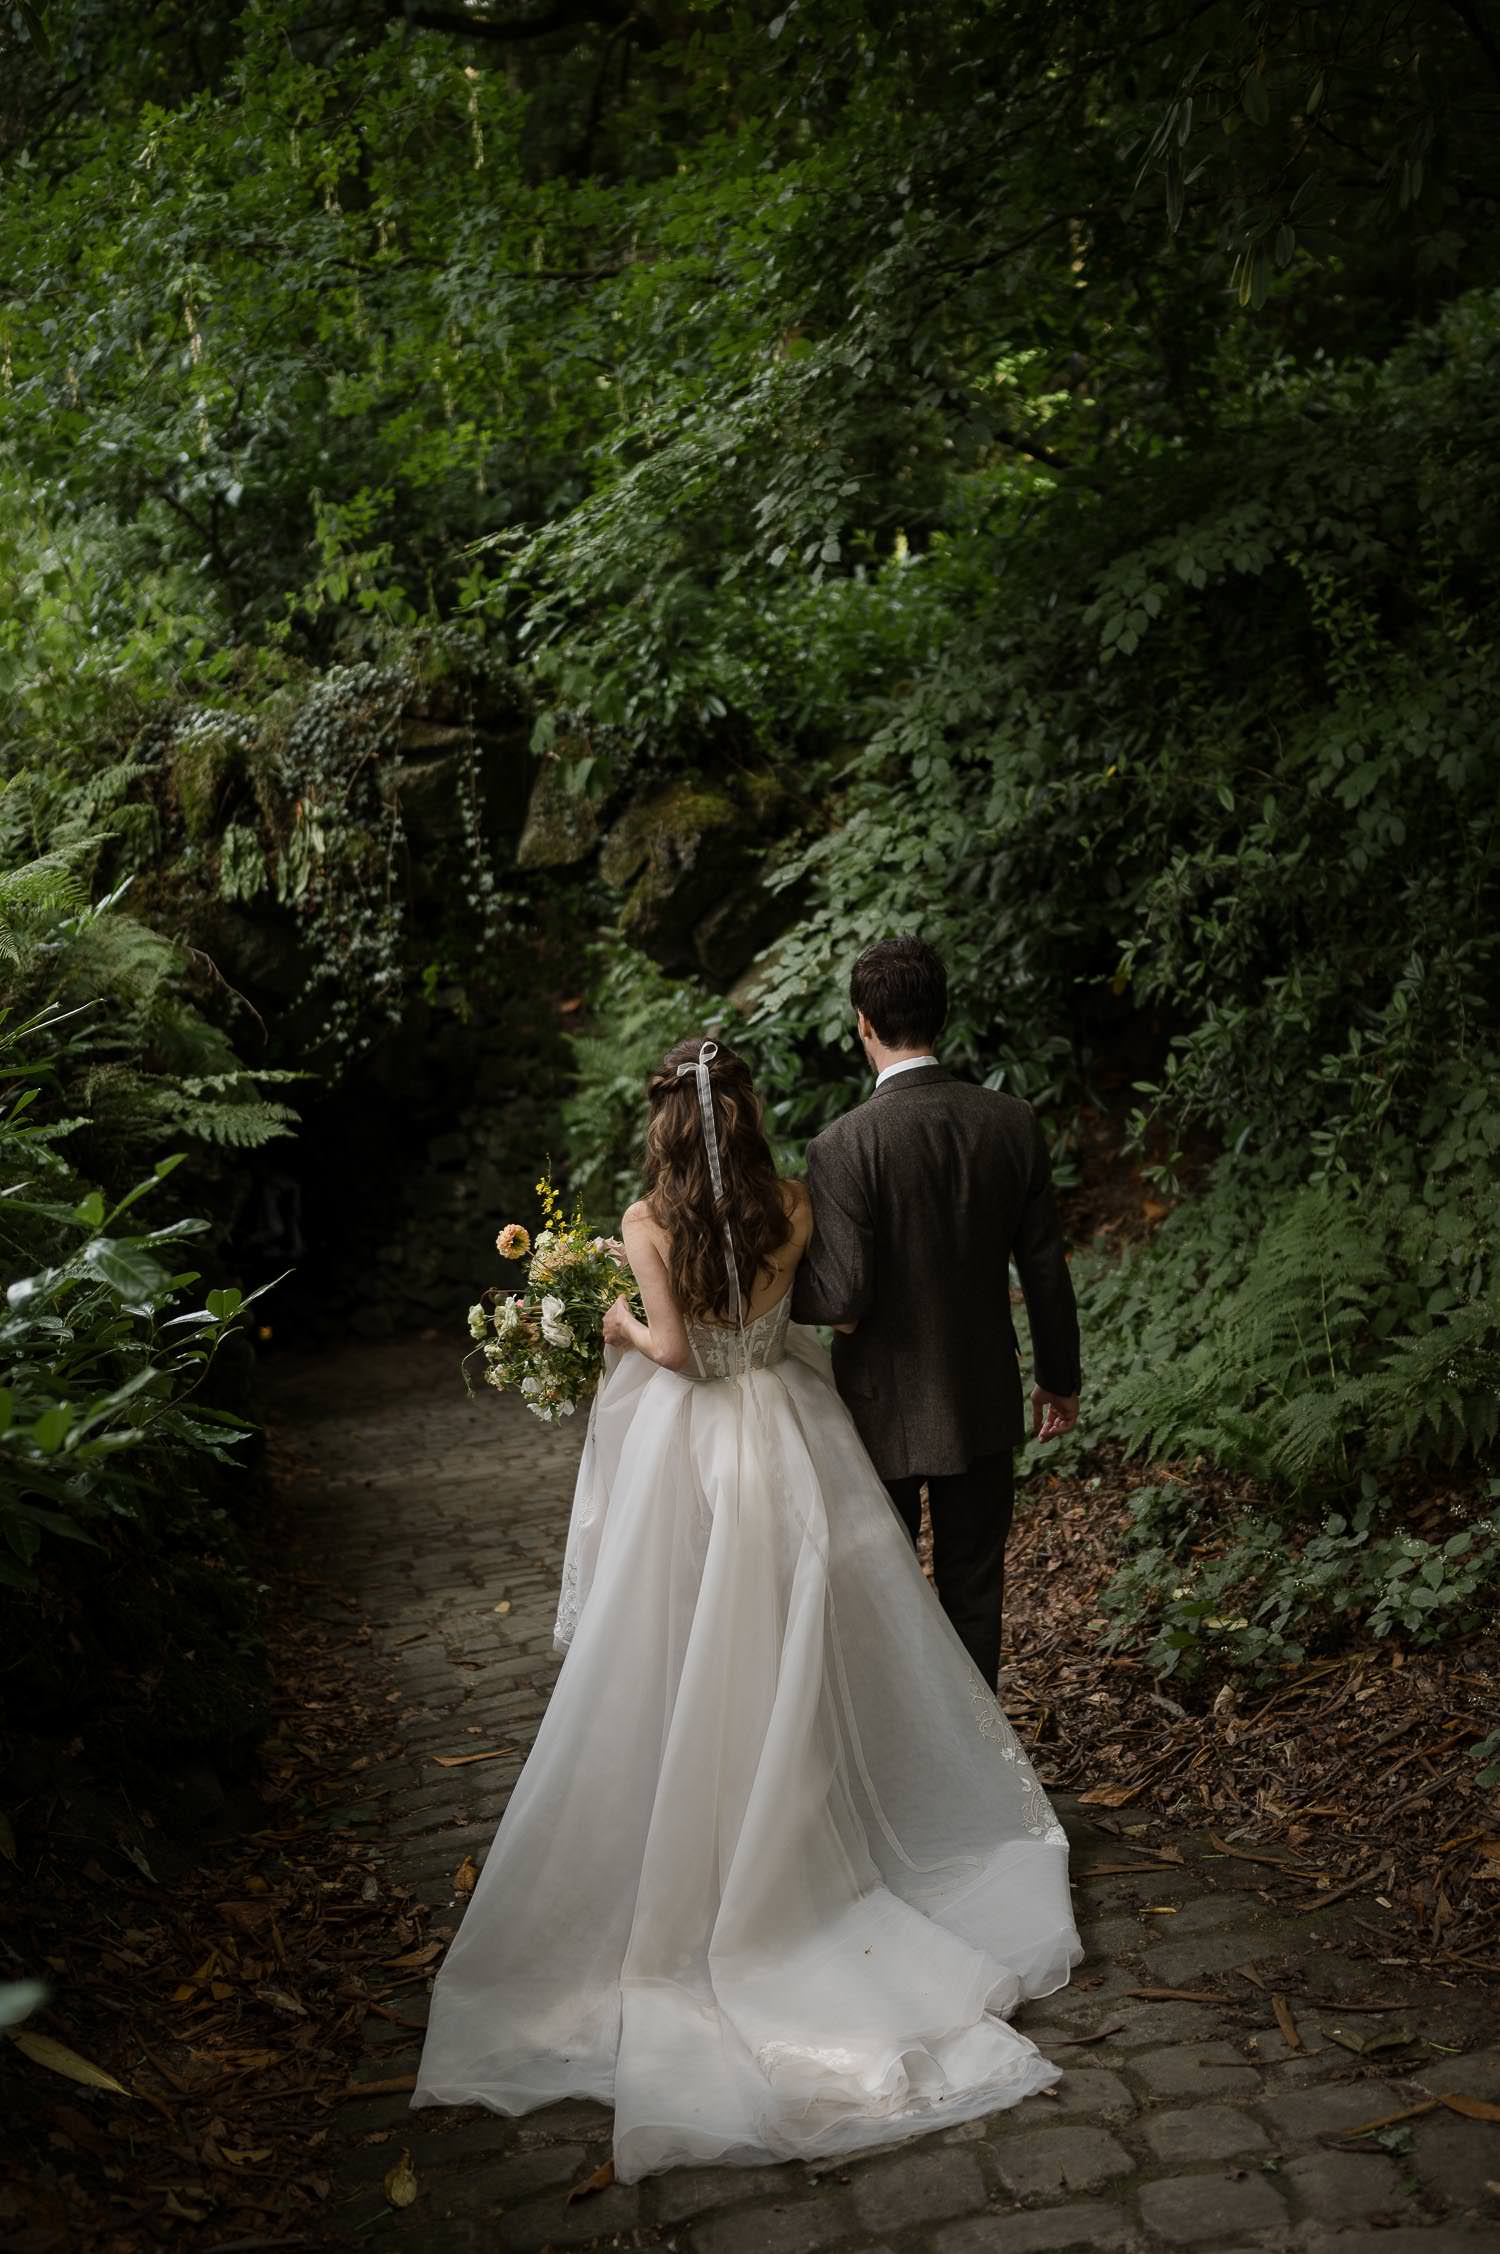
206 761
259 949
429 780
673 855
732 937
562 824
687 860
429 793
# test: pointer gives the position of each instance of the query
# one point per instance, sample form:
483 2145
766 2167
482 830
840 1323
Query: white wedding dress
777 1867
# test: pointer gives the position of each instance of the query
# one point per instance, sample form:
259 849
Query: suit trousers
971 1514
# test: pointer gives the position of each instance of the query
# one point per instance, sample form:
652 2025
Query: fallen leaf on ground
1286 2023
414 1958
1072 2042
1109 1795
1472 2108
281 1999
1128 1870
1388 2120
1384 2039
401 2181
601 2179
1336 1893
1342 2003
1181 1996
466 1875
44 2051
1258 1855
458 1760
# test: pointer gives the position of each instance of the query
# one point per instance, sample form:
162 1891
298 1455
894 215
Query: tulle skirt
777 1868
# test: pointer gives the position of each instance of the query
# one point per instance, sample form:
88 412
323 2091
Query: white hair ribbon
699 1066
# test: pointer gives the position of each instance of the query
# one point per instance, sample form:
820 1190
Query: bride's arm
662 1337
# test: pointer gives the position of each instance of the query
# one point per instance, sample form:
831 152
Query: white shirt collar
907 1064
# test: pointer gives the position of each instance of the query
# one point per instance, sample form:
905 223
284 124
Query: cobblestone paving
1176 2125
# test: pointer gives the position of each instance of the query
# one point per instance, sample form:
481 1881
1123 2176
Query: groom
921 1198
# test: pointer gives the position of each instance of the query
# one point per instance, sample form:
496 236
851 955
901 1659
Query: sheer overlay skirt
777 1866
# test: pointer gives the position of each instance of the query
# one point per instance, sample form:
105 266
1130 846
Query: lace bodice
716 1346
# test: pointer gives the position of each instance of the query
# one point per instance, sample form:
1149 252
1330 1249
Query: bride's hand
617 1320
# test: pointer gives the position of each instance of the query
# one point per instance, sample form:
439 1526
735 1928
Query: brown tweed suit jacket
921 1197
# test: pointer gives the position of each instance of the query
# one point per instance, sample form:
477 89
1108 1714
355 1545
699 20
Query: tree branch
1033 450
1003 251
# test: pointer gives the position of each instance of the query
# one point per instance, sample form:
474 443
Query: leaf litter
201 2029
1347 1778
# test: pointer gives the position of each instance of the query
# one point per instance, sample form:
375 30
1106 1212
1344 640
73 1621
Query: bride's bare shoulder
639 1217
795 1199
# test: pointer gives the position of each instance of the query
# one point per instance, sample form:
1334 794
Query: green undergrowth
1310 1372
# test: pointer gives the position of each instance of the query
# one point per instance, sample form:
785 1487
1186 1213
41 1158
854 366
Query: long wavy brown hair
679 1188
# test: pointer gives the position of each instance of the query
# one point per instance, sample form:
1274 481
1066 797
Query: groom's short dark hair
902 988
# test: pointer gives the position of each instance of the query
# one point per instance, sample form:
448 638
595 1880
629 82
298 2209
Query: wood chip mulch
1349 1776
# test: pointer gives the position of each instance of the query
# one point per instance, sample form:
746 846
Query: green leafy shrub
1201 1589
1302 1333
101 1365
637 1013
1337 1343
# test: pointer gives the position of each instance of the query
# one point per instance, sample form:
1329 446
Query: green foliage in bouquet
545 1342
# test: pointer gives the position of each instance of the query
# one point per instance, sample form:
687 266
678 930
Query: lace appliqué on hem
567 1603
1036 1809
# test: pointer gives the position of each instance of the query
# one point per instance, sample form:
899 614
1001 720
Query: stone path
1177 2124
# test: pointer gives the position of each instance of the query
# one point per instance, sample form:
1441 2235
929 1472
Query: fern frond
1441 1386
37 893
228 1083
237 1126
116 955
1306 1437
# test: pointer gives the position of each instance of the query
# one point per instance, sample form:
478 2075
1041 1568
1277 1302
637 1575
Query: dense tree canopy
1023 470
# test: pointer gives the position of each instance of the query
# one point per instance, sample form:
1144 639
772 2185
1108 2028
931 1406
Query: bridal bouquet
545 1340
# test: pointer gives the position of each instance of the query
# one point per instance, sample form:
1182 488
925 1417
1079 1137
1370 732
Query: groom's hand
1052 1414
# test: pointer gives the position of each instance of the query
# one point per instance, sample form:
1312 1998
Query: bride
777 1869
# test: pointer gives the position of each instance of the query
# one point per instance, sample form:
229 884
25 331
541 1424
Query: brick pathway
1177 2124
